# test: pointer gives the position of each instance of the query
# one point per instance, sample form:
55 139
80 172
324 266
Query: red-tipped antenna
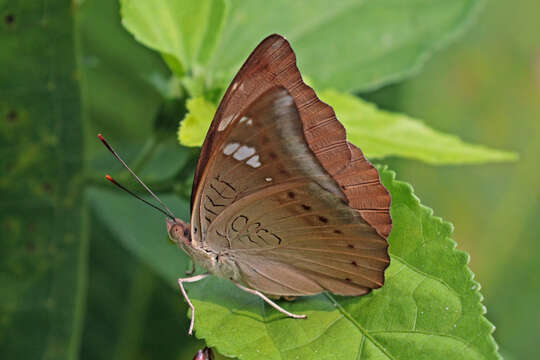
108 177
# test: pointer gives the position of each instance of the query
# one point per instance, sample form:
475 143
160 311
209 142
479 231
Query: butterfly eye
175 232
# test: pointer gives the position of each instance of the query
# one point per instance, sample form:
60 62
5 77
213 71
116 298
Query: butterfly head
179 231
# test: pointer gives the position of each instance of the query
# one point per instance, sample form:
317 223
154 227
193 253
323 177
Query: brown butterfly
282 204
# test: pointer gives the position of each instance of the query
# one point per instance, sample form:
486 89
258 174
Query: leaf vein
358 326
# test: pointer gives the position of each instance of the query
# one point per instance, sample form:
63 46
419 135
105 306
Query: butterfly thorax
219 264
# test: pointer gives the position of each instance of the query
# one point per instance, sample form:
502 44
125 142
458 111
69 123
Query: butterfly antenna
109 177
166 211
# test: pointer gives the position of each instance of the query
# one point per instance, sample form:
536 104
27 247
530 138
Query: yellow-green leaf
381 133
197 121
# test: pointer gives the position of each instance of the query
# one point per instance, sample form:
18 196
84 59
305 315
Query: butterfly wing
268 205
271 132
302 244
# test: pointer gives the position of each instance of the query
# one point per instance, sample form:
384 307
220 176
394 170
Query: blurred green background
484 87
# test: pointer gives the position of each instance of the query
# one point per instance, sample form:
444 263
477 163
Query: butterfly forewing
264 146
271 64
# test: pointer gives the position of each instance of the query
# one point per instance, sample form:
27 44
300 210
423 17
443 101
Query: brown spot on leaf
306 207
9 19
291 195
350 246
12 116
323 219
354 263
338 232
47 187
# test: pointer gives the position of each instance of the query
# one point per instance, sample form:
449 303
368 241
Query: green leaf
380 133
186 30
43 256
193 128
429 307
142 230
348 45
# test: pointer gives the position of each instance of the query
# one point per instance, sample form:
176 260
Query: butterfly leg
192 271
181 284
270 302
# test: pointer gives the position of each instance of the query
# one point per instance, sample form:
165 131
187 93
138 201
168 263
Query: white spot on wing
245 119
284 101
225 122
268 179
254 161
244 152
230 148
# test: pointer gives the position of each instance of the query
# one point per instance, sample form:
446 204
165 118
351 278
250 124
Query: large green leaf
44 239
348 45
184 31
381 133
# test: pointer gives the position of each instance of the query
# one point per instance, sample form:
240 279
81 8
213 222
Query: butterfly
282 204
